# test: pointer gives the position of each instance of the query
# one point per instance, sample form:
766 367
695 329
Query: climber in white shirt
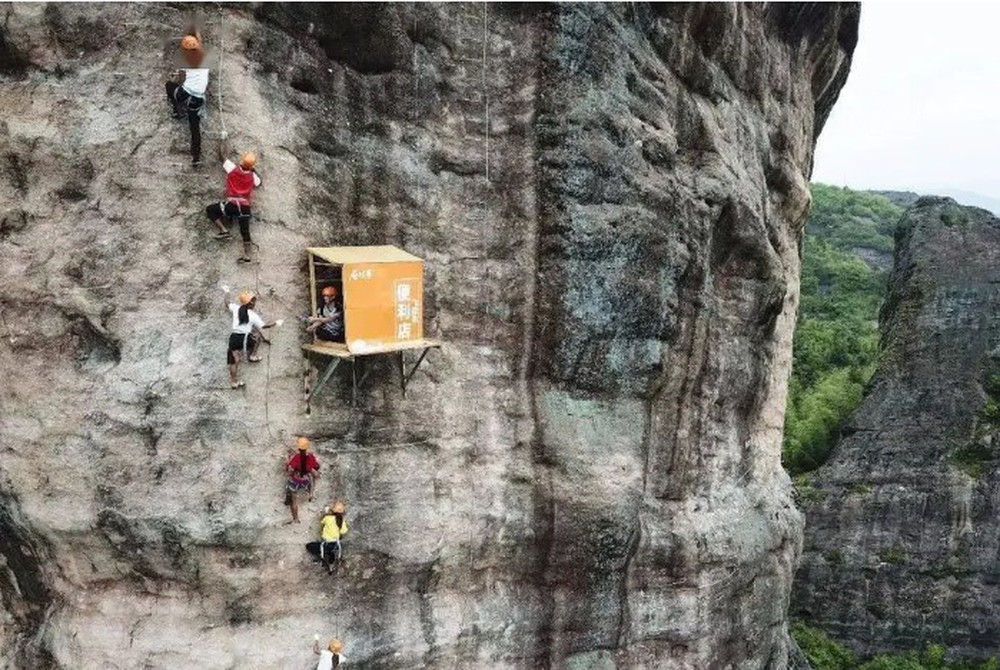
186 93
330 657
246 334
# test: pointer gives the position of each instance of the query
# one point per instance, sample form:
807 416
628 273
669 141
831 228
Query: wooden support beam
340 353
326 376
312 285
407 378
402 373
354 382
364 376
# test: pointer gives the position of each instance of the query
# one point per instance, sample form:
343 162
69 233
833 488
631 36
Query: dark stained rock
24 593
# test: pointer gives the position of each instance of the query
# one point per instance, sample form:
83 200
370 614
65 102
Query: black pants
326 551
240 344
183 102
327 336
231 210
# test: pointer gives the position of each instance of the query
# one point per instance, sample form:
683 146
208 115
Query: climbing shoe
244 259
222 235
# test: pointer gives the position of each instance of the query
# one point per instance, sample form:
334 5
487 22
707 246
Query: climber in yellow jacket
333 528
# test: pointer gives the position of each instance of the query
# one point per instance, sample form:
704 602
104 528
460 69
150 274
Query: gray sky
921 108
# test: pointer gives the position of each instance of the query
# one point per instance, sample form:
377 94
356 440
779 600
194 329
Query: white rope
267 382
416 75
486 92
222 50
256 281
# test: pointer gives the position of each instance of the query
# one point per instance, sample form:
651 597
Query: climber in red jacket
241 180
302 470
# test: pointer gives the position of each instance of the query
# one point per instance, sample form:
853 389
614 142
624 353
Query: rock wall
610 201
901 535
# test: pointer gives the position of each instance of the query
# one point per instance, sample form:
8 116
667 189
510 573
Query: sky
921 107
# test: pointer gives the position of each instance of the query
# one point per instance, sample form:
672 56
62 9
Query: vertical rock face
610 202
901 538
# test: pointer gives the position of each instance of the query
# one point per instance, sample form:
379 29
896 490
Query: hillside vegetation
847 247
824 653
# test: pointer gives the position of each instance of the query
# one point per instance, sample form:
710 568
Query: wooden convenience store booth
382 294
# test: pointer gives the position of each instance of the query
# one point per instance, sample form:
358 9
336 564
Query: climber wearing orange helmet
186 93
302 469
241 180
333 528
246 334
330 657
191 43
329 325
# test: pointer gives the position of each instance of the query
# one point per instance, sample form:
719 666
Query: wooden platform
340 350
339 353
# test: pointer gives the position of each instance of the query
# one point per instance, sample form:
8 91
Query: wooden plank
341 351
406 345
374 254
336 350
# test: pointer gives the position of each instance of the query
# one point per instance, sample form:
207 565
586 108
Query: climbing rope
267 365
486 91
222 51
256 282
416 74
10 333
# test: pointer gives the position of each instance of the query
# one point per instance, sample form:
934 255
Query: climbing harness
183 106
246 339
239 207
322 550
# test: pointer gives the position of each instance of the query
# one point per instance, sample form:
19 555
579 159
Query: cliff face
901 536
610 202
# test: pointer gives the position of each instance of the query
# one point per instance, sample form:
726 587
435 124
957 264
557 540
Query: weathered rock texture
610 201
902 537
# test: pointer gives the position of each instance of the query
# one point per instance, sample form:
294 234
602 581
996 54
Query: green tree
886 662
822 652
836 340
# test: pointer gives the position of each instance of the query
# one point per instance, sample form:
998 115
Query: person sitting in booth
329 325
